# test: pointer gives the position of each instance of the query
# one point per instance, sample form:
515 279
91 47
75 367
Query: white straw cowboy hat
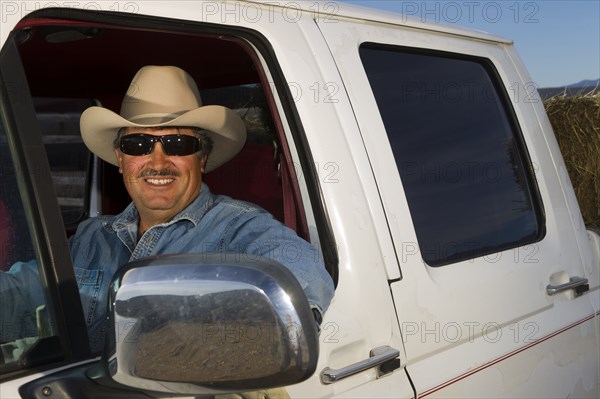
164 96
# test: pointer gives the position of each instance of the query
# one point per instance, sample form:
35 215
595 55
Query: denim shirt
211 223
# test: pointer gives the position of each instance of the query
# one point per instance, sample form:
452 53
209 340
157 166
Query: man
162 142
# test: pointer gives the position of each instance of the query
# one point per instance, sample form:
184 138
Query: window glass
26 322
462 165
68 156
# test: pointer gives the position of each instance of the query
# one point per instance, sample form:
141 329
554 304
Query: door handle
580 285
383 357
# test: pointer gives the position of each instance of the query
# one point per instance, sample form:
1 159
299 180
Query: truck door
43 326
493 298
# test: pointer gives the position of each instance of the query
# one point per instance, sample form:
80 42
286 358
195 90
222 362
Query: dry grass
576 124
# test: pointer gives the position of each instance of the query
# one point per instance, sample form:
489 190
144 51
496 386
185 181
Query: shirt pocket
89 283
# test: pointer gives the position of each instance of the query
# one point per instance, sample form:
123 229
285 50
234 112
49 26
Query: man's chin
158 206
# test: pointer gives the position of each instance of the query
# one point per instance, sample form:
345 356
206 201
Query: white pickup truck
416 157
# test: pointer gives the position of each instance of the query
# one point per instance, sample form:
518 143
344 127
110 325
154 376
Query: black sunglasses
173 144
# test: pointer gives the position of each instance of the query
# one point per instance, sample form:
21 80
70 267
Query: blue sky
558 40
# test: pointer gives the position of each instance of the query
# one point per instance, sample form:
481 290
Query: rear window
464 168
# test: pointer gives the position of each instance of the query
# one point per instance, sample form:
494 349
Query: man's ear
202 163
119 160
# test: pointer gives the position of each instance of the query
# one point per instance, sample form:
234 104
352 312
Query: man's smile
159 182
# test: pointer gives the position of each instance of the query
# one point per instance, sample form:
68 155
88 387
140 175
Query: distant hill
586 83
588 86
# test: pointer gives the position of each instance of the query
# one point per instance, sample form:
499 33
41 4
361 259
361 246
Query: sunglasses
173 144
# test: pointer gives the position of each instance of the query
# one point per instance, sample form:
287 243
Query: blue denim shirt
211 223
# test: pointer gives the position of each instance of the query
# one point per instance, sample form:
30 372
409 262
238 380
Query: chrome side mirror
209 323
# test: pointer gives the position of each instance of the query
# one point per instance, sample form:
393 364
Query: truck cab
415 157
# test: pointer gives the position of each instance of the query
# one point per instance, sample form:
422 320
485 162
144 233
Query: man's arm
260 234
20 295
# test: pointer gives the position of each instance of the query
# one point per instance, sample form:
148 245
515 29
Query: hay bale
576 124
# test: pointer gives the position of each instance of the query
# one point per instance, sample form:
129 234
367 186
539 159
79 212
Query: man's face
161 185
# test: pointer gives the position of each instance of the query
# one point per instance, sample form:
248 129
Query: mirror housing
209 323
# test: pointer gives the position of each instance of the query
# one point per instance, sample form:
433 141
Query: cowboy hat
164 96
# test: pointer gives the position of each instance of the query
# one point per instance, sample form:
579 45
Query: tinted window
458 152
27 332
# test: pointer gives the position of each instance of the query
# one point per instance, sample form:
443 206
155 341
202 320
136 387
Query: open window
91 62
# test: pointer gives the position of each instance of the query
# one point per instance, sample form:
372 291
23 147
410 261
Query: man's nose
158 155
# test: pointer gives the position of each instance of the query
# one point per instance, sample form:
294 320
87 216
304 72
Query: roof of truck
340 10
